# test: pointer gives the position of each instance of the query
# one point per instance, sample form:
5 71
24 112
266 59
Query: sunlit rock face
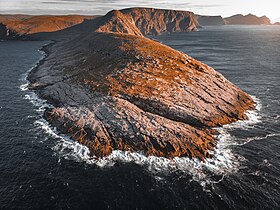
17 26
152 21
114 89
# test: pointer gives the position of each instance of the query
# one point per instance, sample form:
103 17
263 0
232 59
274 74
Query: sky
270 8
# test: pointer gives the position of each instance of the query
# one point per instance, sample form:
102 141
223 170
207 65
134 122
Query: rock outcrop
115 89
210 20
116 21
21 25
247 20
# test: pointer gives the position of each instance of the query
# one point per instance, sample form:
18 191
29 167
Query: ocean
41 169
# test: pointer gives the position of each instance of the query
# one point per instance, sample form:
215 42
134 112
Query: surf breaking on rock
114 89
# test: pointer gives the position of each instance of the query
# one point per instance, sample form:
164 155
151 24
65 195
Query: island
113 88
249 19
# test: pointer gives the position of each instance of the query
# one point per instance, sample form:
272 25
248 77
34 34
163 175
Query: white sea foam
223 163
254 117
30 95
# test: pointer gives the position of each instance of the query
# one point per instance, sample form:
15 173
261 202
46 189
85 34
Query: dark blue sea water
42 170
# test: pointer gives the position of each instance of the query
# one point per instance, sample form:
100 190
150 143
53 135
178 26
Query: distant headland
18 26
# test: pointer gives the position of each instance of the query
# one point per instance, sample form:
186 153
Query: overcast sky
271 8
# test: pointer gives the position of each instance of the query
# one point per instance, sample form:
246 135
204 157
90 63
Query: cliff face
116 21
115 89
21 25
247 20
137 21
158 21
210 20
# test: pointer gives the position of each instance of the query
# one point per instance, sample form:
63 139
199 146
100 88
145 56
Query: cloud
90 7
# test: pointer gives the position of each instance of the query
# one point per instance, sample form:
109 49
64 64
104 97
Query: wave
224 161
30 95
254 118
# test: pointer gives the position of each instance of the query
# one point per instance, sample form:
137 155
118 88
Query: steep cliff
115 89
116 21
158 21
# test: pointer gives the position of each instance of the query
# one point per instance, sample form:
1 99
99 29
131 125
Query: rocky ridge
114 89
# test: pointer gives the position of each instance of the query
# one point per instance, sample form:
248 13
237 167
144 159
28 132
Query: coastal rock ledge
114 89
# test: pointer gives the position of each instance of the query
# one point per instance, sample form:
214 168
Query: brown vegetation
115 89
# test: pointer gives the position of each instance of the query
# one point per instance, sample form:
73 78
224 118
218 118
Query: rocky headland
19 26
249 19
115 89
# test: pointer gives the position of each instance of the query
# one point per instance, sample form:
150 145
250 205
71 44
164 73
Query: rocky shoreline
114 89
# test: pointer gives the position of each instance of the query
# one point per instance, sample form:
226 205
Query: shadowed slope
210 20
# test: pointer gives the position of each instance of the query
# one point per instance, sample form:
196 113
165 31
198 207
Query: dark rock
210 20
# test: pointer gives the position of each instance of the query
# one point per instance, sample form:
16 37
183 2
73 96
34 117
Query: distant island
233 20
115 89
247 20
